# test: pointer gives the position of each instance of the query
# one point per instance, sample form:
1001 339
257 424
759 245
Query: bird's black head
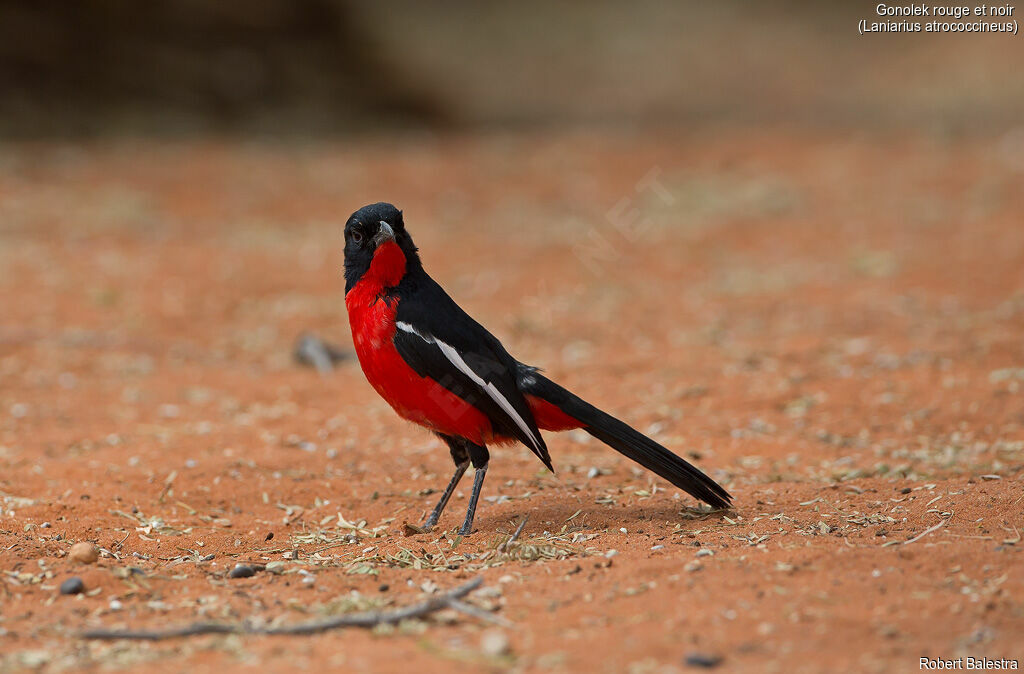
366 231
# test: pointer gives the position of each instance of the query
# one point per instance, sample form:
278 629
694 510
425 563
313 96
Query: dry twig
505 546
477 612
925 532
449 599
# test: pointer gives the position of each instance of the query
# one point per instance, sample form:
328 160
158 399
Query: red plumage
415 398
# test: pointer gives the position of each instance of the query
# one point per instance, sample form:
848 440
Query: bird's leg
460 470
478 482
479 455
460 455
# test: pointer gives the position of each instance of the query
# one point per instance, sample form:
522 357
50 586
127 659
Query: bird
439 368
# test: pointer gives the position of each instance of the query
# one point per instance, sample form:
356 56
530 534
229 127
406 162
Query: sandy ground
829 325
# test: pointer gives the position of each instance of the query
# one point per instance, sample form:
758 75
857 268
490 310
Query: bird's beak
385 234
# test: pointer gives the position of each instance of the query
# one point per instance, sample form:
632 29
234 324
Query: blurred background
738 180
790 252
104 67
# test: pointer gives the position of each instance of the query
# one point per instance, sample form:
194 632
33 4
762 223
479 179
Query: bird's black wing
441 341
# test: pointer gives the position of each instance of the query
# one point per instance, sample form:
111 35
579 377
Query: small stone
84 552
494 643
312 351
241 571
168 411
705 660
704 552
34 659
73 585
409 529
276 567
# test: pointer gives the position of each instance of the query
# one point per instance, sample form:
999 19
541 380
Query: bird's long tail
557 409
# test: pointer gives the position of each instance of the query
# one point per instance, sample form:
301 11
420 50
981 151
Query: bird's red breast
371 314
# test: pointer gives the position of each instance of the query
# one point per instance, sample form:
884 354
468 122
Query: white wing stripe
489 388
456 359
406 327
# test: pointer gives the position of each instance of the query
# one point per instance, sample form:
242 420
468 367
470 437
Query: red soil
830 327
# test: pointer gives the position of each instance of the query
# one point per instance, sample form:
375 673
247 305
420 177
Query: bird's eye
357 237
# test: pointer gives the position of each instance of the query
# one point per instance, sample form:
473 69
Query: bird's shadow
654 518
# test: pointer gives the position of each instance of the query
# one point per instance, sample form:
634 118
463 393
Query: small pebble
494 643
241 571
73 585
84 552
704 552
705 660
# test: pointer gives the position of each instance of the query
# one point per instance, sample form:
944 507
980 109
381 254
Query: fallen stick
925 532
477 612
504 546
364 619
